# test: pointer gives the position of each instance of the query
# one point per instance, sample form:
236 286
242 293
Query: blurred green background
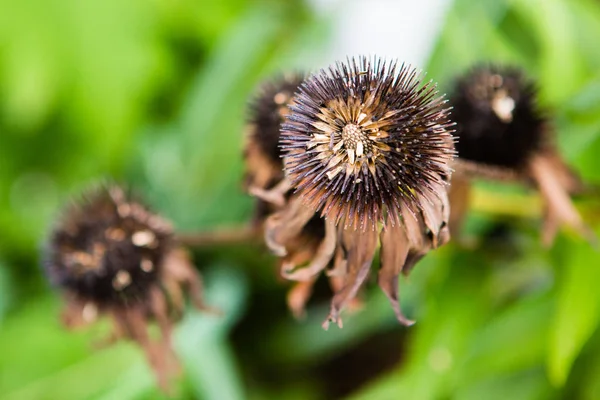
154 94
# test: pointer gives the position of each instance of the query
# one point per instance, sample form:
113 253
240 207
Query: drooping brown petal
568 178
285 224
321 258
435 212
298 296
420 242
394 250
275 195
132 321
160 310
360 247
179 273
560 208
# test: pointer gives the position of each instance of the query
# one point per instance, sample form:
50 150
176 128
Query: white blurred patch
401 29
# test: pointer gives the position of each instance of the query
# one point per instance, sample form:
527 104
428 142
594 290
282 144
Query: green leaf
577 312
528 385
5 291
202 339
512 341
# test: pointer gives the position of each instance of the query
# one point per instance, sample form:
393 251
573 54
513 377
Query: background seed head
365 136
497 117
268 110
108 248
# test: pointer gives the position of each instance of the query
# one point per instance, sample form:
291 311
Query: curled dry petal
360 248
559 207
394 250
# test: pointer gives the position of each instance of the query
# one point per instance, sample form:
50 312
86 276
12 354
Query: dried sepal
111 256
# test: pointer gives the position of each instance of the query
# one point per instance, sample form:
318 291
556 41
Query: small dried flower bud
498 119
367 146
265 177
111 256
264 166
504 135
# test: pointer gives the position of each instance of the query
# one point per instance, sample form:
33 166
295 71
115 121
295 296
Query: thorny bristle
365 137
497 116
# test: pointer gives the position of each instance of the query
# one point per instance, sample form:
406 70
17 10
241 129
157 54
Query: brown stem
220 236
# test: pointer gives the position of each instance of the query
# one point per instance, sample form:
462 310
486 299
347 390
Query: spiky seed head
497 116
267 112
108 249
365 137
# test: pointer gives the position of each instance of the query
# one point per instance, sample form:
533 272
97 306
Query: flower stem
220 236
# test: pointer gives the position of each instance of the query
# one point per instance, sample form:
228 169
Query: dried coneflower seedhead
265 177
267 110
367 148
111 256
503 134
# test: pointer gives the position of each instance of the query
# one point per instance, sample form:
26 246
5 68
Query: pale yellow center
356 142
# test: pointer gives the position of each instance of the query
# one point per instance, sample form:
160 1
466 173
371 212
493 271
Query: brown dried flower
503 135
264 177
264 166
366 146
111 256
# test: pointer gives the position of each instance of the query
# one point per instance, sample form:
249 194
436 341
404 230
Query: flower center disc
356 142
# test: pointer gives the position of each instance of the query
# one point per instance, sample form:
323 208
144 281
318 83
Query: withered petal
361 247
275 195
394 250
298 296
160 311
180 270
286 224
322 257
558 203
134 324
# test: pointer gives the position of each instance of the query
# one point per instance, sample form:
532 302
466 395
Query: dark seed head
108 249
497 117
267 112
365 137
264 165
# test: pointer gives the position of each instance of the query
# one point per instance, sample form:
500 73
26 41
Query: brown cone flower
111 256
504 135
367 148
264 166
264 176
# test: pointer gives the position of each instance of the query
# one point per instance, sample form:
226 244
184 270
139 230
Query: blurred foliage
154 94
